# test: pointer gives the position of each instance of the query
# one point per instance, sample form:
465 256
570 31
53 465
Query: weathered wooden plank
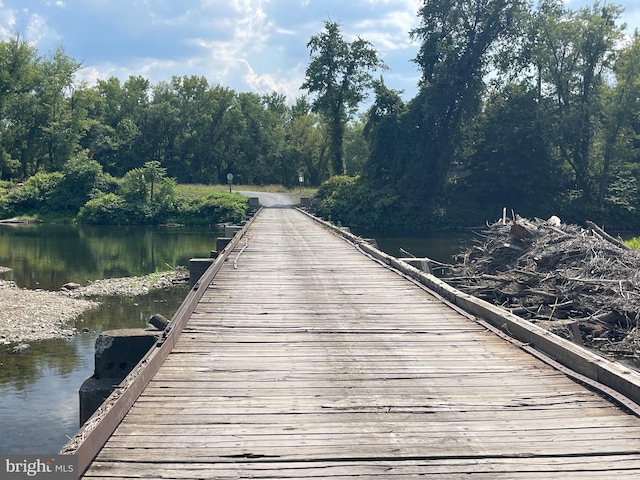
432 383
450 448
598 467
588 427
311 361
231 404
460 399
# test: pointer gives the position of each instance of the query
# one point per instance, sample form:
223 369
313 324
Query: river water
39 389
39 407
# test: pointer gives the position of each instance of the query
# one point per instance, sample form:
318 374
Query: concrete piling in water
231 230
197 267
117 352
222 242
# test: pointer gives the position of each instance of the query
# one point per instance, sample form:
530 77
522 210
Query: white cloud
39 33
287 83
255 45
7 22
389 32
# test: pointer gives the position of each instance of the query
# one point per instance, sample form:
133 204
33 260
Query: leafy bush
144 196
82 178
5 208
108 209
112 209
60 194
354 202
33 196
211 209
133 187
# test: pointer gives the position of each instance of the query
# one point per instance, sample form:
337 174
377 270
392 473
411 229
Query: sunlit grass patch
204 190
633 242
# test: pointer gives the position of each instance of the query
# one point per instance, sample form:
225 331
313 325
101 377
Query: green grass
204 190
633 243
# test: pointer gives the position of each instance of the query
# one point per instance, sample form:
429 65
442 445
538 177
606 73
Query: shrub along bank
357 203
144 196
363 204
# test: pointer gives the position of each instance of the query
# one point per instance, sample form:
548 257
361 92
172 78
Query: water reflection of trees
47 256
59 357
131 312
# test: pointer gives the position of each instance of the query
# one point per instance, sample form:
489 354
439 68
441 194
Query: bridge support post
422 264
305 202
231 230
222 242
197 267
116 353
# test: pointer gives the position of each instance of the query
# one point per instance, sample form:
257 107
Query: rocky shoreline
32 315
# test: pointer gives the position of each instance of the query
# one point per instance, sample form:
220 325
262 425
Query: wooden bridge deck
310 360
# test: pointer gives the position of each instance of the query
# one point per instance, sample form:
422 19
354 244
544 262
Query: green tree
307 149
153 174
339 73
387 136
510 164
574 52
116 115
277 119
223 134
356 148
249 161
620 111
161 130
459 43
142 185
19 77
62 125
193 129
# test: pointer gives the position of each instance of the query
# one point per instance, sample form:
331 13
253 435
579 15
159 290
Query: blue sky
247 45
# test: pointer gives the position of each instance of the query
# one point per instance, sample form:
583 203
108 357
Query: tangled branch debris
559 277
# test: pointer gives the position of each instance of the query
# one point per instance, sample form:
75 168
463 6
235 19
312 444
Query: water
39 407
441 246
48 256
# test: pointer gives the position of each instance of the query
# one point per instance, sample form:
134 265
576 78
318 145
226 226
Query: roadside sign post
230 180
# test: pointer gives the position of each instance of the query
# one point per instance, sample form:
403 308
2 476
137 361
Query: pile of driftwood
580 283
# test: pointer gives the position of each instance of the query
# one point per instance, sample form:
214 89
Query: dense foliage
535 109
143 196
531 107
197 132
339 73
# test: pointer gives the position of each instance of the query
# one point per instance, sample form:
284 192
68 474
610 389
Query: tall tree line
198 132
533 107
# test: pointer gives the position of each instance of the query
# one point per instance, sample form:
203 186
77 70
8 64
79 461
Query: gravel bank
31 315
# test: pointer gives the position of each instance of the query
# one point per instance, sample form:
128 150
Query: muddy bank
31 315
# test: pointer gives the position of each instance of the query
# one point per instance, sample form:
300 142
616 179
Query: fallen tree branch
606 236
